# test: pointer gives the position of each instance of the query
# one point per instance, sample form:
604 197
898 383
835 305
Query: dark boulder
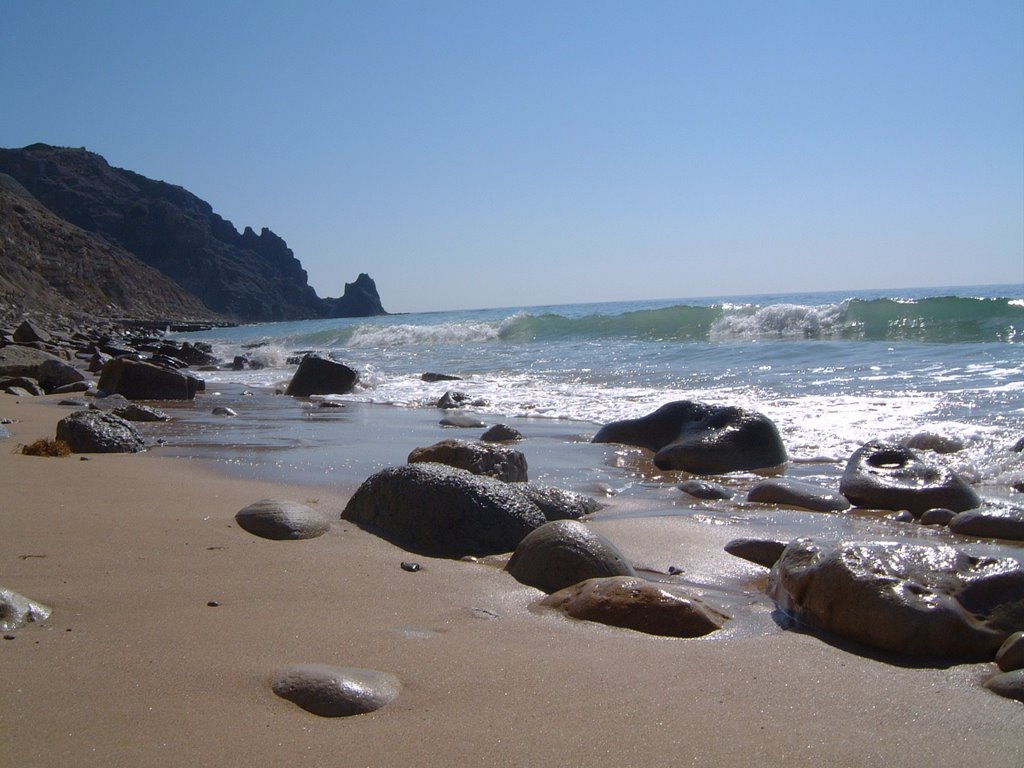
434 509
565 552
138 380
701 489
702 439
1008 684
788 492
1010 655
53 374
926 441
18 360
764 552
990 521
634 603
433 377
336 691
501 433
28 333
920 600
479 458
24 383
882 475
98 432
318 375
558 504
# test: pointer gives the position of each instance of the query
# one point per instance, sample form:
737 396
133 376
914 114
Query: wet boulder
787 492
927 441
701 489
497 461
701 439
336 691
919 600
30 333
98 432
138 380
565 552
54 374
881 475
990 521
764 552
318 375
434 509
17 610
1010 655
638 604
282 520
502 433
559 504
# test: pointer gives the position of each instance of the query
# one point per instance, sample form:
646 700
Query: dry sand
135 669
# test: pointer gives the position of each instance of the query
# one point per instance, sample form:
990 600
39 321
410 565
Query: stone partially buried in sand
635 603
991 521
336 691
787 492
17 610
931 601
282 520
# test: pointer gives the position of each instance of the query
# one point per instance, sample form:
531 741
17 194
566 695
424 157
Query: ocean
832 370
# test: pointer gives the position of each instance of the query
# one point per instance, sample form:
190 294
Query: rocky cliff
242 276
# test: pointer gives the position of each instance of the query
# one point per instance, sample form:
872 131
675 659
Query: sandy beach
135 667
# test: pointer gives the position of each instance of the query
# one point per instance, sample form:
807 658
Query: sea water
832 370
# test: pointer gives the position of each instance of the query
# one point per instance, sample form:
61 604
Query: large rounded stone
701 489
565 552
282 520
914 599
558 504
764 552
318 375
787 492
1008 684
883 475
635 603
497 461
1010 655
99 432
993 522
702 439
439 510
17 610
926 441
336 691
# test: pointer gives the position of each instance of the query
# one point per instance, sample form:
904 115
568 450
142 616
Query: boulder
701 439
926 441
1010 655
281 520
17 610
558 504
565 552
1008 684
882 475
138 380
98 432
434 509
479 458
53 374
919 600
28 332
23 383
635 603
452 399
432 377
937 516
701 489
501 433
764 552
990 521
318 375
23 361
336 691
462 421
787 492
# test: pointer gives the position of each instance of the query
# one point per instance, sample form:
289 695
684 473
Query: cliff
243 276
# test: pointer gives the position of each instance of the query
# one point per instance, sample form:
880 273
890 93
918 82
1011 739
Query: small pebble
83 458
213 604
9 637
411 567
674 571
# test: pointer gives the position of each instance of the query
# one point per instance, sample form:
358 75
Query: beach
169 621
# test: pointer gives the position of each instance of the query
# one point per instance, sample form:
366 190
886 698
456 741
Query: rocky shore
449 610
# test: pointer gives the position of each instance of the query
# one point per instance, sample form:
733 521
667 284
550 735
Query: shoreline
134 668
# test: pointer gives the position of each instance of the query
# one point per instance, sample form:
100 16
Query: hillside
243 276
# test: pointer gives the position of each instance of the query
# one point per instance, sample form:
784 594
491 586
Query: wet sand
135 668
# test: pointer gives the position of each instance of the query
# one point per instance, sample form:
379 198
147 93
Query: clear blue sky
478 154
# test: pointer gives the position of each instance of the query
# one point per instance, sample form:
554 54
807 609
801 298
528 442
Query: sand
134 668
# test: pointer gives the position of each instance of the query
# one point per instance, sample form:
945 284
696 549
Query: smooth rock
1010 655
558 504
432 377
318 375
17 360
764 552
17 610
1008 684
336 691
883 475
462 421
452 399
223 410
565 552
501 433
479 458
138 380
638 604
919 600
937 516
994 522
25 384
140 413
788 492
68 389
701 489
98 432
926 441
282 520
19 392
434 509
702 439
